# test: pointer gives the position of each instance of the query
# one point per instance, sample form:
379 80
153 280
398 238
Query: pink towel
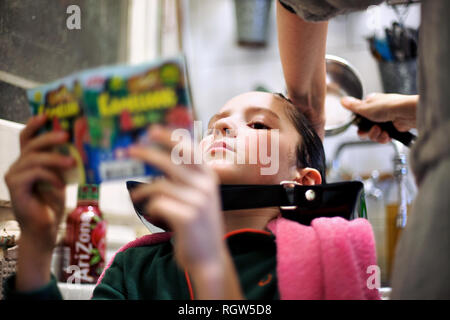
327 260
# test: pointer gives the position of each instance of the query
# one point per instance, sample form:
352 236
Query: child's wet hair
310 152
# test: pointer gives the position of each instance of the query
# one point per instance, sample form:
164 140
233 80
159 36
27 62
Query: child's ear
308 177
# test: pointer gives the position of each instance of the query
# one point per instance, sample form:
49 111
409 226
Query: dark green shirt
150 272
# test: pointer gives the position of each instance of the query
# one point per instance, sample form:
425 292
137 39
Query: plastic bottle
84 244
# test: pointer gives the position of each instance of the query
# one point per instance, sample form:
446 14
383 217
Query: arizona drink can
84 244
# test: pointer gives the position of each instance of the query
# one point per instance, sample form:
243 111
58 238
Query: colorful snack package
118 103
61 102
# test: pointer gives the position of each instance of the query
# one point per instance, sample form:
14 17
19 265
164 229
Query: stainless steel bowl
342 80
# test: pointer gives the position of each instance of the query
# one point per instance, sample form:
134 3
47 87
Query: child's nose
225 127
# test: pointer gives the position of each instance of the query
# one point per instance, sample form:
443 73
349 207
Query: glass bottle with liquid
376 214
398 200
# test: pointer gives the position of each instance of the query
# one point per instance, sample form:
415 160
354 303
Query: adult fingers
362 134
362 107
378 135
384 137
374 133
351 103
371 109
403 125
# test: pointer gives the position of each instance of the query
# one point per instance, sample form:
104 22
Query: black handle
339 199
365 124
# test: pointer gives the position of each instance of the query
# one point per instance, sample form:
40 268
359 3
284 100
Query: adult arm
322 10
302 31
302 51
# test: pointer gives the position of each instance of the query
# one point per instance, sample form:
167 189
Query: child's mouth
219 146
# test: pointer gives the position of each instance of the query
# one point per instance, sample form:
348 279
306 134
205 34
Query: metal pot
342 80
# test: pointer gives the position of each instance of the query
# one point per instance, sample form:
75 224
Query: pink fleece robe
327 260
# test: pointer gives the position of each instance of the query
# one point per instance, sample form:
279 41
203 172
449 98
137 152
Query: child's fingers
30 177
48 160
162 135
30 130
180 147
159 159
45 141
168 210
197 238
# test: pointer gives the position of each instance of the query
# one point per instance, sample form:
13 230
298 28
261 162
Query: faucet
400 172
335 164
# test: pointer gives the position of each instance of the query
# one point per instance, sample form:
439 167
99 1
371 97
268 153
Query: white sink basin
76 291
84 291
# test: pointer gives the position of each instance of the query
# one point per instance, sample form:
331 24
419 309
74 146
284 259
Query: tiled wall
36 45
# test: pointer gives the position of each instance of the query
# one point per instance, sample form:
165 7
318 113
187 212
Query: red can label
84 248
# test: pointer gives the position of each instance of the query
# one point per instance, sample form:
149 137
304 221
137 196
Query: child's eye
259 126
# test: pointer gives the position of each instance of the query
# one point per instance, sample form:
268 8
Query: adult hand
381 107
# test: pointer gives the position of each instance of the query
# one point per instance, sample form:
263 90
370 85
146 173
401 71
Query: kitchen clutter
343 80
395 49
252 17
8 257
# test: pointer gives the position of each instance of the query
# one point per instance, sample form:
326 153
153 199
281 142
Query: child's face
246 128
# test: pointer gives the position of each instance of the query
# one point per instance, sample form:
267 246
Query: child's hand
36 185
187 200
37 191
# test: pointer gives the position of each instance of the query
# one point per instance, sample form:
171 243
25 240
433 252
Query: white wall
220 69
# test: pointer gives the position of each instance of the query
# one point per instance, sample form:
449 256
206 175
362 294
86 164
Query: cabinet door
10 148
